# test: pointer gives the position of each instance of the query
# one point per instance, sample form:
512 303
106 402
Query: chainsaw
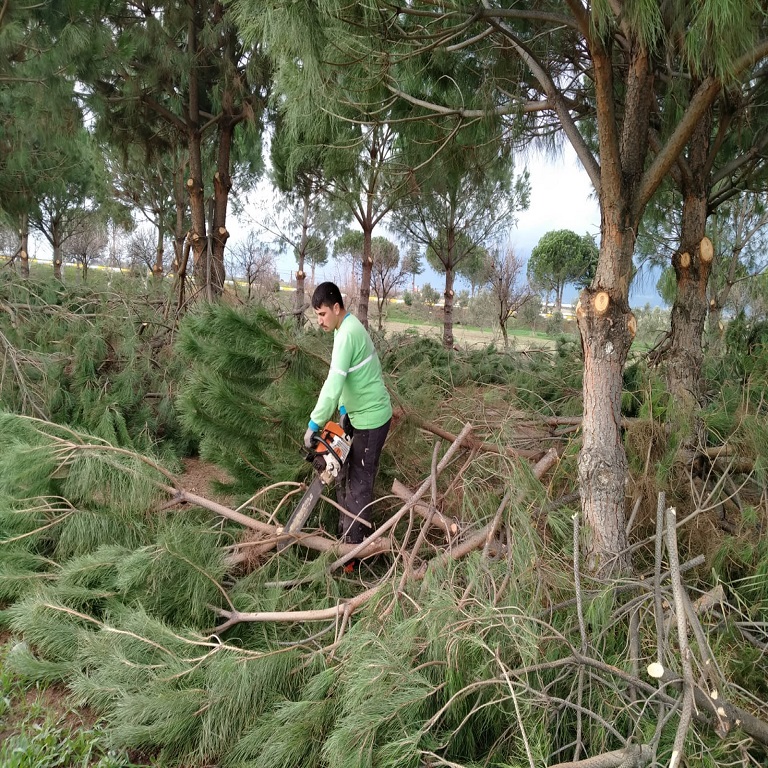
331 449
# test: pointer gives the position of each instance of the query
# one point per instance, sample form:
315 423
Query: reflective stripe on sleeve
360 365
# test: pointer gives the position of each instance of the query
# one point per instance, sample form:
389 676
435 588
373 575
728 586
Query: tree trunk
692 264
24 244
181 278
365 278
299 299
448 309
607 327
180 205
157 269
222 185
200 268
57 258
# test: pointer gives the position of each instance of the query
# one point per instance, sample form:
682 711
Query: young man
354 385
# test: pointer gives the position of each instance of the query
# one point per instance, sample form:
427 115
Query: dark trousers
355 486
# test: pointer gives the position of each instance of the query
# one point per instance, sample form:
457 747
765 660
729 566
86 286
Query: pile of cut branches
468 635
465 640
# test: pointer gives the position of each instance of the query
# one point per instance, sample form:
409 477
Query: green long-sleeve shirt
354 383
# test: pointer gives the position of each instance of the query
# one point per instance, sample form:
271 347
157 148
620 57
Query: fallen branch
634 756
473 443
272 534
395 519
322 614
438 519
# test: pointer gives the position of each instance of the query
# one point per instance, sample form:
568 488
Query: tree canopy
560 258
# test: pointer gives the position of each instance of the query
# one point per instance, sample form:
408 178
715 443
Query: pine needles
466 644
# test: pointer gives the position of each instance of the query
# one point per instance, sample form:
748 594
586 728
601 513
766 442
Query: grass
422 317
39 730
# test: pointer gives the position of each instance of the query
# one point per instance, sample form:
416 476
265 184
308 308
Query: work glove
346 424
309 443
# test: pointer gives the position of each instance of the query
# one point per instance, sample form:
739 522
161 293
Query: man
354 385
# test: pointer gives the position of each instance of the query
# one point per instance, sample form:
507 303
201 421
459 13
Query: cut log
685 260
706 250
634 756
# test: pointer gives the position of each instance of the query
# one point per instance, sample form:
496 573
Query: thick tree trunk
57 258
606 338
24 244
200 267
607 328
692 264
299 298
365 277
689 314
448 309
222 185
606 324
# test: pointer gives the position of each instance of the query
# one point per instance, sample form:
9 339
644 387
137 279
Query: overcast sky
562 197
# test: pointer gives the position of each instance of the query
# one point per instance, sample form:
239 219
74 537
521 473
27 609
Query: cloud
562 197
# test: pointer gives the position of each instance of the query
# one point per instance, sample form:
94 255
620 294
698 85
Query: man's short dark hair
326 295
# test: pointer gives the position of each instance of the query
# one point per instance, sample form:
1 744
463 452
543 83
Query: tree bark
299 298
692 265
24 244
603 315
365 276
602 463
448 309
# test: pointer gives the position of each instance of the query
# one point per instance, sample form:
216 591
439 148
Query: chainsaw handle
317 439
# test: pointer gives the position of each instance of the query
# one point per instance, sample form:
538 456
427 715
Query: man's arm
330 394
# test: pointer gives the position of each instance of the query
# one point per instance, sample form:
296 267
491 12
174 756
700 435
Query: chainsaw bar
302 512
331 448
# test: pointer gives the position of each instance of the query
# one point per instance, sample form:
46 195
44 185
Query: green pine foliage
94 359
249 389
118 596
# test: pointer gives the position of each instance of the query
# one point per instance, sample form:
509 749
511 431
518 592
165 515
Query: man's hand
346 425
308 435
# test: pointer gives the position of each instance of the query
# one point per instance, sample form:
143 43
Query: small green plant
37 734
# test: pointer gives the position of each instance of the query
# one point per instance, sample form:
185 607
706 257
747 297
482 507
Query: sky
562 197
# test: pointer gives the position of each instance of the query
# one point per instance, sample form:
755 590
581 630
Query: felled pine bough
343 609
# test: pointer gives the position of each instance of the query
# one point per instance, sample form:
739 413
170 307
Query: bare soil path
465 337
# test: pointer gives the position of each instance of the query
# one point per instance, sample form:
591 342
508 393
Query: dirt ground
199 477
466 338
